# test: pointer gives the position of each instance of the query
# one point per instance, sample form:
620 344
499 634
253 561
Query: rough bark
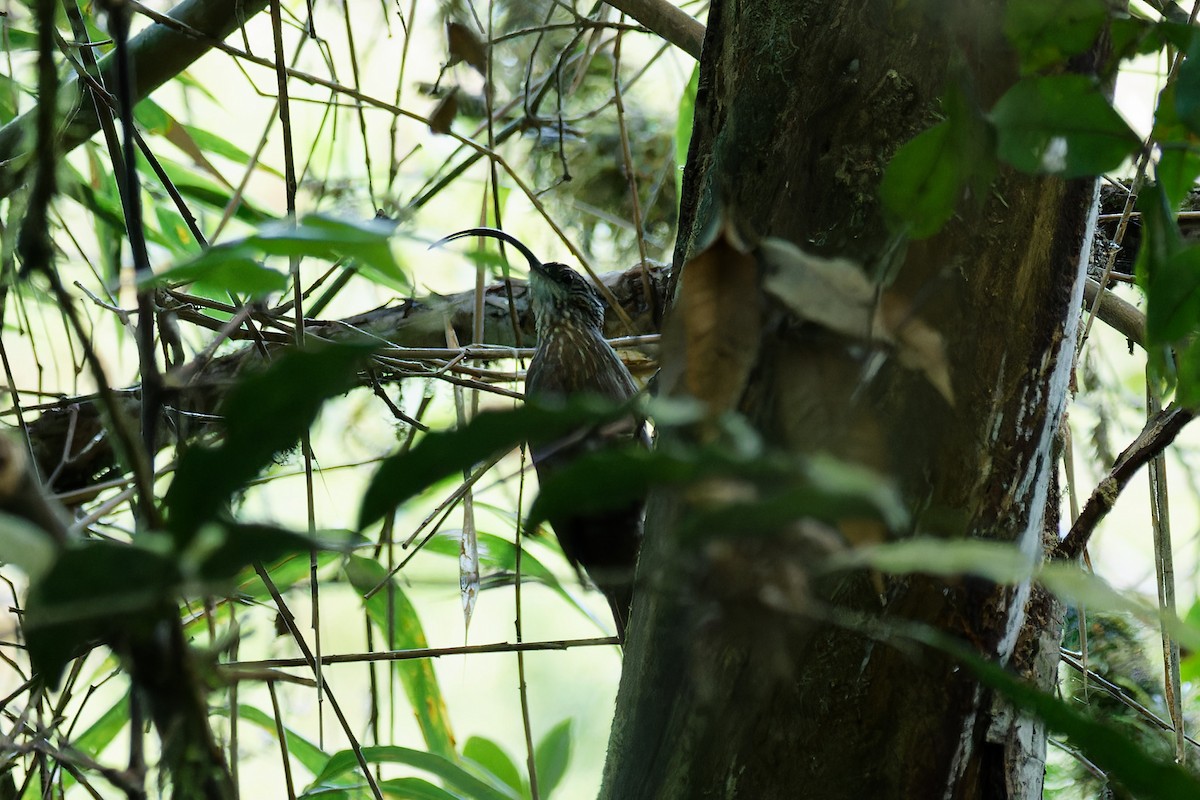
801 105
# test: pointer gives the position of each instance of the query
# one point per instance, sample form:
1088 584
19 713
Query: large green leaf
264 415
788 488
316 236
1048 32
440 454
393 614
1179 162
94 589
1061 125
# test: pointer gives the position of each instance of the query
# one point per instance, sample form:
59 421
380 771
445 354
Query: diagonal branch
1159 432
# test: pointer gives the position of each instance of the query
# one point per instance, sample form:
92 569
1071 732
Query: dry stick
1160 519
428 652
522 689
281 734
289 172
1068 458
362 118
314 664
630 172
1159 432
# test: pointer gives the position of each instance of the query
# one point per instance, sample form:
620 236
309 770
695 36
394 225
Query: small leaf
552 755
443 114
1173 306
1187 89
464 45
1061 125
492 758
922 184
1179 164
223 269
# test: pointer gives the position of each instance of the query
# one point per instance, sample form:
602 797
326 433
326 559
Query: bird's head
559 295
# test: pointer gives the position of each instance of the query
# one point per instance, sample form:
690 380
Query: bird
573 358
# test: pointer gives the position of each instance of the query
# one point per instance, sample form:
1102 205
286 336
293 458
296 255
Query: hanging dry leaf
464 45
918 346
713 330
444 114
836 294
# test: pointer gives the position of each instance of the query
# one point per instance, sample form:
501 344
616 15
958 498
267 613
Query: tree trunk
801 105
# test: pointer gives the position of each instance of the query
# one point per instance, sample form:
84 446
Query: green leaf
1173 307
222 269
1179 164
922 184
491 433
1048 32
1061 125
219 552
552 755
390 610
1001 562
192 186
93 590
930 175
1187 90
492 758
1187 362
819 487
265 415
455 777
26 545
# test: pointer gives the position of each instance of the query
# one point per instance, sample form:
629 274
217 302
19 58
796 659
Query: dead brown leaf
715 327
464 45
836 294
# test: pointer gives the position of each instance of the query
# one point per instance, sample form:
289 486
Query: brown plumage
572 357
